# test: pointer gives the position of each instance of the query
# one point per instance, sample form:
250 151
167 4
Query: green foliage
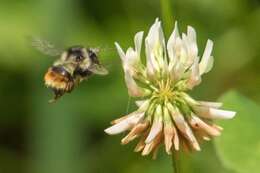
238 147
203 162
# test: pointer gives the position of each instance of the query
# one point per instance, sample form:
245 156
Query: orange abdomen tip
58 78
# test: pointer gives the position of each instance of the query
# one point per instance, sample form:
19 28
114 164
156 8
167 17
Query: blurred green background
37 137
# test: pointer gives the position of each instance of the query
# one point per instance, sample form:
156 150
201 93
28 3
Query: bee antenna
106 48
109 48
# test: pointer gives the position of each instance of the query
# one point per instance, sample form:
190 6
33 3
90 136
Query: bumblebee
74 65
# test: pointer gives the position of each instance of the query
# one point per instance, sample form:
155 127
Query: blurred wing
98 69
45 47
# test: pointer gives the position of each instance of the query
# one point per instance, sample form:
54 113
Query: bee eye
79 58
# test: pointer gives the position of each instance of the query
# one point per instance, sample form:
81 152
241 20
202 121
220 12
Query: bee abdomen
59 79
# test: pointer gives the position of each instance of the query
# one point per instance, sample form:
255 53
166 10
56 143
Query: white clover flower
166 113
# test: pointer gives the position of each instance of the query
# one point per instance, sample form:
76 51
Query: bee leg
69 87
57 95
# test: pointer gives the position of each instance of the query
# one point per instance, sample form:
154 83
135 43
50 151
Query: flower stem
167 15
176 161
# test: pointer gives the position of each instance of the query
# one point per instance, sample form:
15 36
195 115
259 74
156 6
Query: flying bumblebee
75 64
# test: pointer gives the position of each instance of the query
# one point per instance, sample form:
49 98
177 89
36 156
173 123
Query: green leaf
204 161
239 145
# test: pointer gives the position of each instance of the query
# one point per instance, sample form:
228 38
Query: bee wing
98 69
45 47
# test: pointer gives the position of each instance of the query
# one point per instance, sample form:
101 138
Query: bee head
96 67
77 53
92 54
86 60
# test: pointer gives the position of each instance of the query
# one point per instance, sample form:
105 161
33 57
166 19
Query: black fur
61 70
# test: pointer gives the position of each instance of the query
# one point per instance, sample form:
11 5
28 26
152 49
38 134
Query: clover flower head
166 114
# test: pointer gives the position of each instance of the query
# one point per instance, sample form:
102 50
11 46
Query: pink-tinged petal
157 125
213 113
120 119
171 43
194 78
153 36
193 49
151 64
152 145
177 71
125 124
210 104
198 124
162 56
155 130
141 144
184 51
133 89
191 33
120 51
131 59
186 131
222 114
176 140
168 138
183 127
207 60
170 133
135 132
155 48
138 42
168 130
188 50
